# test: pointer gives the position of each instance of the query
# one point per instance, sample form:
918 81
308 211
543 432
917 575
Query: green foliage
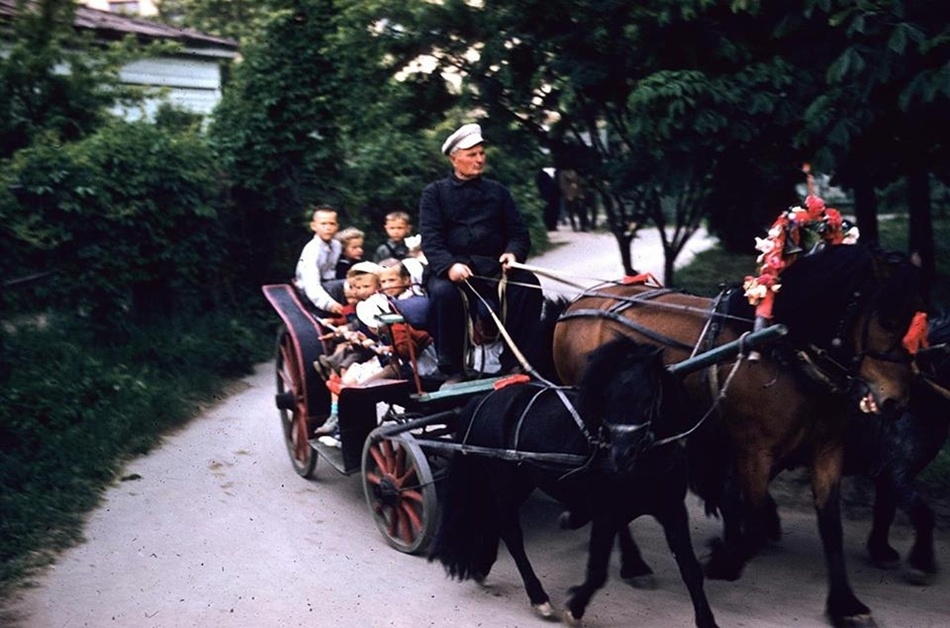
53 81
276 132
125 217
72 411
235 19
887 87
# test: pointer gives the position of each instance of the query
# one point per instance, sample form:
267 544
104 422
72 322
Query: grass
72 410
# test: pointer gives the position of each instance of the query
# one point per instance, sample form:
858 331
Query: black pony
894 453
611 449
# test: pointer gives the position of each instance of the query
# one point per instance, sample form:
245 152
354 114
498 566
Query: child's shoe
329 427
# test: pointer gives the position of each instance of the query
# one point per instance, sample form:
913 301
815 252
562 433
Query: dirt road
214 529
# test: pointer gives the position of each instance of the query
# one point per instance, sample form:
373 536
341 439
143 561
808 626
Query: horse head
620 396
850 306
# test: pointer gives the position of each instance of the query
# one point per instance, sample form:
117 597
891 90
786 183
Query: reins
576 462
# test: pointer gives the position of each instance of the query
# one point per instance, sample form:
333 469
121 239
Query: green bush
126 218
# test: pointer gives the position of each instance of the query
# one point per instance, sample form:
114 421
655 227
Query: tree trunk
921 231
624 240
865 209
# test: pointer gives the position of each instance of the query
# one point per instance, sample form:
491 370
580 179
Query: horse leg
921 563
602 534
885 507
633 569
513 536
842 606
743 512
675 522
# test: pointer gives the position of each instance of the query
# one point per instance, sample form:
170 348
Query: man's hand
459 272
506 259
336 308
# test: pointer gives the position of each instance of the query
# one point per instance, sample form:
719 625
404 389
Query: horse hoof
884 563
920 577
883 556
646 582
719 569
568 520
862 620
569 618
544 610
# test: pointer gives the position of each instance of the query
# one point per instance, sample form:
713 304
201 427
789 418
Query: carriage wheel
292 405
400 492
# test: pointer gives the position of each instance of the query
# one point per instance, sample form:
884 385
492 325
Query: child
409 300
357 357
396 283
317 264
397 226
351 239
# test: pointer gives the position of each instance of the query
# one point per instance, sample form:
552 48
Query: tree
125 217
643 99
53 81
277 132
234 19
884 114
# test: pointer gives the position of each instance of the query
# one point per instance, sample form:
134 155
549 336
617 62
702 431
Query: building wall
190 83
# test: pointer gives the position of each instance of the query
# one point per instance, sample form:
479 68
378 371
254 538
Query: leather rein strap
615 314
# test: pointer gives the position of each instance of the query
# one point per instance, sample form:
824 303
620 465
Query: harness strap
821 367
940 389
626 322
712 408
516 454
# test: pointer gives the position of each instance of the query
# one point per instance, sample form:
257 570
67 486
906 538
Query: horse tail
711 466
466 542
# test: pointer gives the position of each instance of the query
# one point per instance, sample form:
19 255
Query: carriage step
333 455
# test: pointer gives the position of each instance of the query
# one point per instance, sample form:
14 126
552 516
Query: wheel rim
292 406
400 492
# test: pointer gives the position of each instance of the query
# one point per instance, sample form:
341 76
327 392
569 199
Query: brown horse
847 308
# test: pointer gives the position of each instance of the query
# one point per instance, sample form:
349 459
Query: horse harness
555 460
707 339
819 365
541 459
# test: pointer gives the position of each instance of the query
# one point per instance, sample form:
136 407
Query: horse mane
938 328
609 365
818 291
543 355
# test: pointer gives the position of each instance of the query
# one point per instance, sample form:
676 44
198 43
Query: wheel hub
285 401
387 491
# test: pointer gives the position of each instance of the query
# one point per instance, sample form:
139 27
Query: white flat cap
466 136
367 267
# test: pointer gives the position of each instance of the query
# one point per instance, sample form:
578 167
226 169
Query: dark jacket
472 222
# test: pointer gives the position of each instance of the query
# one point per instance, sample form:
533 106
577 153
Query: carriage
397 433
849 310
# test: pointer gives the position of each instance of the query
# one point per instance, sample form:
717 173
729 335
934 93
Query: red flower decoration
825 222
